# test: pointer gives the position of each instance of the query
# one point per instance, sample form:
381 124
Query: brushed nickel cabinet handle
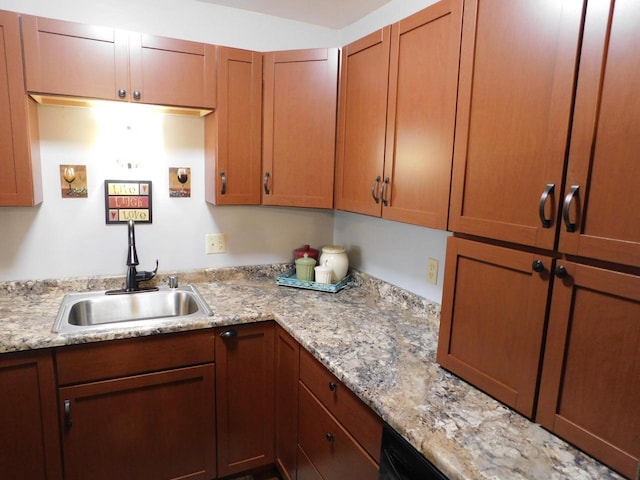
266 183
223 178
548 191
573 193
383 195
374 189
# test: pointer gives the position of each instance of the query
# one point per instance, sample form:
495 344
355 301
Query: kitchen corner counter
377 339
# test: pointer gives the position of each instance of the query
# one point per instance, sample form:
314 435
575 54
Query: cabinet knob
329 437
137 95
122 93
332 386
537 266
561 271
229 334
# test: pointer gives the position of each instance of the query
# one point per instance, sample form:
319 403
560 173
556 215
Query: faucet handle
145 276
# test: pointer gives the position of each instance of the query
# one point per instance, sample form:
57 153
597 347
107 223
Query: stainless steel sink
92 310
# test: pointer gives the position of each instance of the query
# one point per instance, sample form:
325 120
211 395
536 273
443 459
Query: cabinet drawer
334 453
356 417
97 361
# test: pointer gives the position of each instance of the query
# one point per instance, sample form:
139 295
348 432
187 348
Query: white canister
336 258
323 274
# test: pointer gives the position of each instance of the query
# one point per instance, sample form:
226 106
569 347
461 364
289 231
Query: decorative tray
289 279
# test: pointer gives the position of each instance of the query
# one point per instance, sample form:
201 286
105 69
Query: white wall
68 237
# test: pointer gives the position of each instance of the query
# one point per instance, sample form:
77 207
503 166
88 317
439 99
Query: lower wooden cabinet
154 424
493 319
590 388
286 391
29 442
245 397
333 452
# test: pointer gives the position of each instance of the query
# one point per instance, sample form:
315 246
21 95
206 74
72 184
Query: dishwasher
400 461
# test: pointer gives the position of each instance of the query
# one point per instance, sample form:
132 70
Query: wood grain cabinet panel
73 59
517 74
591 376
30 441
397 118
156 425
233 133
493 319
286 416
245 397
299 127
603 158
20 182
332 451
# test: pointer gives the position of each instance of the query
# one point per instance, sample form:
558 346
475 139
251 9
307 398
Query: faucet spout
132 257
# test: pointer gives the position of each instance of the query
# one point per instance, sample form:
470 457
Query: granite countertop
377 339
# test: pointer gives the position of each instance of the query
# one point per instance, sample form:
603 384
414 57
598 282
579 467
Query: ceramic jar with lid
336 258
311 252
304 267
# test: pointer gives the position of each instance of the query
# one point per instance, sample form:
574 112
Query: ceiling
334 14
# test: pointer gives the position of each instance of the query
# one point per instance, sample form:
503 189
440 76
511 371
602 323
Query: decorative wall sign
73 181
179 182
126 200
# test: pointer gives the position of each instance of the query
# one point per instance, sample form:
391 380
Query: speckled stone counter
378 339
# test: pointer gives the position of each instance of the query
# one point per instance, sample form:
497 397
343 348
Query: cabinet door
423 80
591 374
364 81
158 425
517 69
601 218
331 450
167 71
233 133
29 443
20 182
493 319
287 374
300 103
245 397
65 58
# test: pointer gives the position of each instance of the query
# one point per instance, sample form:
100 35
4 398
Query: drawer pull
374 189
229 334
548 191
329 437
332 386
568 200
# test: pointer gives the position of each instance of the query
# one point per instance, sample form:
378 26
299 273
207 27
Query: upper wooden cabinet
517 74
591 373
602 197
362 121
397 117
20 182
65 58
30 441
299 124
233 133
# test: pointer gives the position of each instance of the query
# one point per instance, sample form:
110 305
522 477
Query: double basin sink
98 310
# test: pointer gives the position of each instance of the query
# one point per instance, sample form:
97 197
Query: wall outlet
432 271
215 243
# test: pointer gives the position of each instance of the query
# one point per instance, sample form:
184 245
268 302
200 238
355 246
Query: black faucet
133 276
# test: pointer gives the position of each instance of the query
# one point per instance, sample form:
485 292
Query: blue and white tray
289 279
